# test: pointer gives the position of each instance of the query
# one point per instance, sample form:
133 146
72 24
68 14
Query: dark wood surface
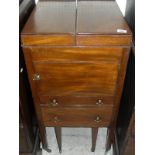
35 99
64 80
63 16
76 101
77 117
68 20
61 73
109 138
74 54
103 40
94 138
58 132
56 17
100 17
28 135
76 64
57 40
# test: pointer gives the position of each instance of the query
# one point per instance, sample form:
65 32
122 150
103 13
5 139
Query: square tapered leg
94 138
58 137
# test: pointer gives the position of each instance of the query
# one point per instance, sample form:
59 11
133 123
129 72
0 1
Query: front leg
109 139
58 137
42 134
94 138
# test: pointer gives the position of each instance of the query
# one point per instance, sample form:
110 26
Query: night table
76 54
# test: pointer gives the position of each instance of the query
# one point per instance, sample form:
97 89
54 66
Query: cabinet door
84 72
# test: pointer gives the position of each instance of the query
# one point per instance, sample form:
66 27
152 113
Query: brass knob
36 77
98 119
99 102
54 102
56 119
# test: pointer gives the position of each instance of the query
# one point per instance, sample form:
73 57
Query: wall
122 5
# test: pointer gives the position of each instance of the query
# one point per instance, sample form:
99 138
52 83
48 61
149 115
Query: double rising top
76 19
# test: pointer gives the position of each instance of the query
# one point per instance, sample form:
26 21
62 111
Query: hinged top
52 17
100 17
68 22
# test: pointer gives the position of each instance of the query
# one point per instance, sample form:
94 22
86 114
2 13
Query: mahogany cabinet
76 54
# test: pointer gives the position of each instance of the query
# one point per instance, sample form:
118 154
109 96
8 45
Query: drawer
76 54
48 40
78 78
82 117
104 40
75 101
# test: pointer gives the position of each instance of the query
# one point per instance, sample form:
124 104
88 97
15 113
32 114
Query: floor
76 141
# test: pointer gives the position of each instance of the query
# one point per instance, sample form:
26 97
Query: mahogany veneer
76 61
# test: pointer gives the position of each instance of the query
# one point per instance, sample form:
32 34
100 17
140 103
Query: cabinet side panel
30 71
120 83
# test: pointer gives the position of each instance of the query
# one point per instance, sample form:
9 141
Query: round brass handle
54 102
98 119
99 102
56 119
36 77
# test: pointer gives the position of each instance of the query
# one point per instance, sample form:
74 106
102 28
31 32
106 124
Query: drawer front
83 78
75 101
82 117
101 40
50 40
76 54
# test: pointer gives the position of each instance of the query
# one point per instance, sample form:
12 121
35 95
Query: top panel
100 17
52 17
76 23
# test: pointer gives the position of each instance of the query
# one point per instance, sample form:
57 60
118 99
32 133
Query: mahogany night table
76 53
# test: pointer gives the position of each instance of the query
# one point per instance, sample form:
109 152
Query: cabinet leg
43 138
94 138
109 139
58 137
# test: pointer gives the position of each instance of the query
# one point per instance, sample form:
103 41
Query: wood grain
29 66
50 40
103 40
76 116
76 101
52 17
80 58
120 83
83 78
63 54
100 17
